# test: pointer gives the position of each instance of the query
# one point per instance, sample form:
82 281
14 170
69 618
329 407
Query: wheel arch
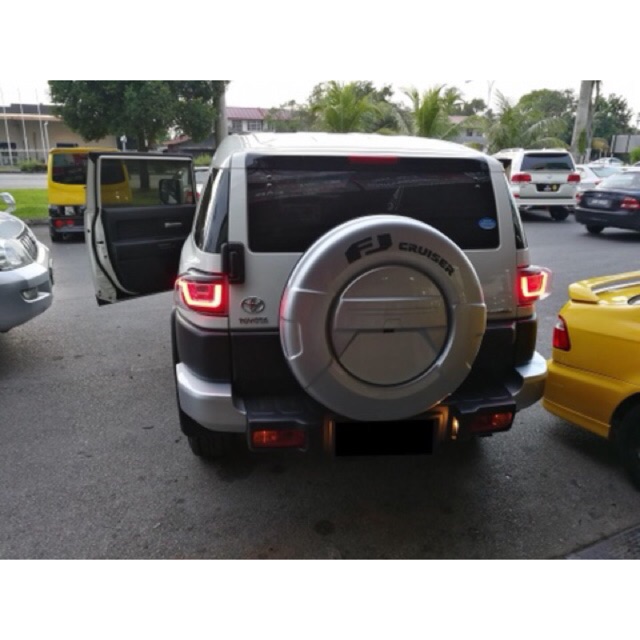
619 413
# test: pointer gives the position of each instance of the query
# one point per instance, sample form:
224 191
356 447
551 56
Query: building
468 134
28 131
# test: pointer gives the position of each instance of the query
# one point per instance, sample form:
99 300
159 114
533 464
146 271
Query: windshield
605 172
622 180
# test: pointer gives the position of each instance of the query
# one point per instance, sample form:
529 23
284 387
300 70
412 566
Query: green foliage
30 203
33 166
143 110
612 117
634 155
516 126
431 111
343 107
203 160
546 103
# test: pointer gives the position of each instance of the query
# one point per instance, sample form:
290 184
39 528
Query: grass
30 203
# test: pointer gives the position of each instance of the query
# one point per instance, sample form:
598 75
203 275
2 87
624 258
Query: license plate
600 202
548 188
384 438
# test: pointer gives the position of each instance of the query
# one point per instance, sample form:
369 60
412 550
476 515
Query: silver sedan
26 276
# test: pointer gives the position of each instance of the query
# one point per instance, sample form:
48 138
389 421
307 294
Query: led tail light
561 335
533 284
521 177
205 294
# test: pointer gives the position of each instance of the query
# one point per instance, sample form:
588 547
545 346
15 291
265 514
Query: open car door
140 209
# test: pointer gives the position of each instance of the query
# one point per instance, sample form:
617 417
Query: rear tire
559 213
595 229
628 440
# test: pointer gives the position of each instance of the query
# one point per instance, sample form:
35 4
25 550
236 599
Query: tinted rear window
292 201
547 162
69 168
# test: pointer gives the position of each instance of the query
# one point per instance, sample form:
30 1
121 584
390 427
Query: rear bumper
608 219
213 405
546 202
26 292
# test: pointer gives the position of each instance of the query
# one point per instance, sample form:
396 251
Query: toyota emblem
253 305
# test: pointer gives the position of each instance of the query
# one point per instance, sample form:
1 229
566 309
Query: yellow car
594 374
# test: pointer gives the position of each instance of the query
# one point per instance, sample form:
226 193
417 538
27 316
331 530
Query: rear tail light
561 335
520 177
573 177
630 203
204 294
533 284
486 423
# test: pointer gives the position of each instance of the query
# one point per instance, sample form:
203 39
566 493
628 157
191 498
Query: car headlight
13 255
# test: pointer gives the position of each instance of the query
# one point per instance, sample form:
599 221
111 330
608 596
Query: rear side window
292 201
547 162
128 182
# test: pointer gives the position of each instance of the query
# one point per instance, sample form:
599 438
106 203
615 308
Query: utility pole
221 120
580 129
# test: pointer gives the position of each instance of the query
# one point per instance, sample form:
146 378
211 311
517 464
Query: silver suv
366 294
542 178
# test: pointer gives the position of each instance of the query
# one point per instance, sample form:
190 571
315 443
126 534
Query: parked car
541 178
368 294
26 275
594 372
591 175
614 203
608 161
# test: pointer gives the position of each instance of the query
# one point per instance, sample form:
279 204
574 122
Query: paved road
10 181
92 463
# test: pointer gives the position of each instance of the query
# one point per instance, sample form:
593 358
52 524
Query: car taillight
573 177
520 177
533 284
630 203
561 335
205 294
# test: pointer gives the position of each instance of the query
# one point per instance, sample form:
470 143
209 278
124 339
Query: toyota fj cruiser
369 294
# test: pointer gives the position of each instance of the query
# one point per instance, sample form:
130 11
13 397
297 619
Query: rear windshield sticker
487 223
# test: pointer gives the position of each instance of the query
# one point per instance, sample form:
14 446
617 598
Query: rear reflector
533 284
520 177
278 439
203 294
491 422
561 335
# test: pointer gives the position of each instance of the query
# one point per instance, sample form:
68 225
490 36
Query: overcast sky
257 92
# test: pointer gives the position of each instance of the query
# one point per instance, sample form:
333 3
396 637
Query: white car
26 275
591 175
541 178
368 294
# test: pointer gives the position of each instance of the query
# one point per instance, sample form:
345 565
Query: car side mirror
170 191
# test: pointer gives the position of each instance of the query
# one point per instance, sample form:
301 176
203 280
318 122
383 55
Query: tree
143 110
514 126
612 117
342 107
431 111
547 103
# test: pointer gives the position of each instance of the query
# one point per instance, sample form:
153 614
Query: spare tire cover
382 318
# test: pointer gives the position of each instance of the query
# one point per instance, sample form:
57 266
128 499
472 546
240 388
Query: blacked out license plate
389 438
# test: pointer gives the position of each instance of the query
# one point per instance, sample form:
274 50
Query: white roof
341 143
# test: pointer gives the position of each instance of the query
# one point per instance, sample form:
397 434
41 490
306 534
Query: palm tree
431 112
343 108
514 126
